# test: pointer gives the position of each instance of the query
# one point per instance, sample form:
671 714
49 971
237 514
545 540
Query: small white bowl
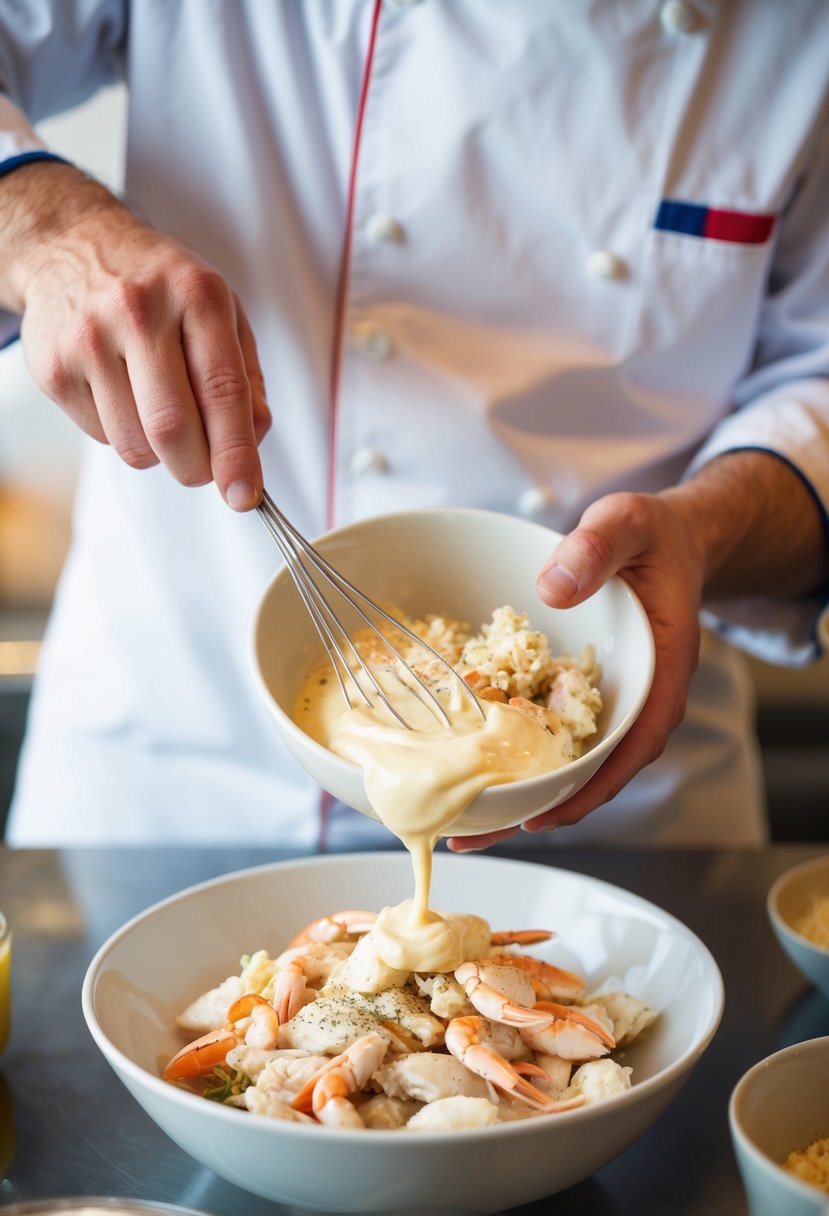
156 964
462 564
779 1106
789 897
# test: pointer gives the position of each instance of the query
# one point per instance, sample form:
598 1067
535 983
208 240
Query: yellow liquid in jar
5 983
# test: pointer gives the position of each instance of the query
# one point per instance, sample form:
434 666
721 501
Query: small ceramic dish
780 1106
790 897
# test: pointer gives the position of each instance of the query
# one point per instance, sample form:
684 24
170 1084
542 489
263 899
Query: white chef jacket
512 256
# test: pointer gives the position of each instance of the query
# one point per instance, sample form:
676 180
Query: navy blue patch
673 216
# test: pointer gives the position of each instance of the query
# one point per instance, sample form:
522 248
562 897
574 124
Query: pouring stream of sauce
419 781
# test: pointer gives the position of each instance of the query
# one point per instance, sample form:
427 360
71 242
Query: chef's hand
745 525
143 344
643 540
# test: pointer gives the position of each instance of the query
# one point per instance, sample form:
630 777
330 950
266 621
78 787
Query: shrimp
262 1030
335 928
199 1058
548 981
289 989
520 937
287 1072
569 1033
500 992
328 1092
464 1038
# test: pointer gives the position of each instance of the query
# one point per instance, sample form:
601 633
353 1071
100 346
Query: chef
564 260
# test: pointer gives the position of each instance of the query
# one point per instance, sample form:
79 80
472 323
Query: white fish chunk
428 1076
600 1079
260 1103
454 1114
629 1015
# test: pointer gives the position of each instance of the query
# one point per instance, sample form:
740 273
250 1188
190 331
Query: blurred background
38 464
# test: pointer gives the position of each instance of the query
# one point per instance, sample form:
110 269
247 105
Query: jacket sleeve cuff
791 423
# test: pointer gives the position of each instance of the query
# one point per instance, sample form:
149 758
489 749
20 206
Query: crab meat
260 1103
428 1076
576 702
454 1114
629 1015
446 997
339 1016
600 1079
286 1074
387 1114
366 972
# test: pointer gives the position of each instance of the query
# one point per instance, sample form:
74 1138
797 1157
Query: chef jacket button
371 341
384 229
368 460
602 264
536 500
679 17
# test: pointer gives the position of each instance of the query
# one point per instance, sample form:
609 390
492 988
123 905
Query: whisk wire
297 552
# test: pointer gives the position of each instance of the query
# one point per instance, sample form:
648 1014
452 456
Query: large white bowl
462 564
148 971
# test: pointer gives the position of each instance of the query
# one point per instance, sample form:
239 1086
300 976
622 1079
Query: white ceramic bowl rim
767 1164
281 1128
114 1204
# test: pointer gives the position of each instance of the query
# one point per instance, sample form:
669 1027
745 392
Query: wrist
713 529
756 526
40 202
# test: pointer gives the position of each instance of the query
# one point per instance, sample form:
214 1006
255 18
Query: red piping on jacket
339 326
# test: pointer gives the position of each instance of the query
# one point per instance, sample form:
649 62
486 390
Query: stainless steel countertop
68 1127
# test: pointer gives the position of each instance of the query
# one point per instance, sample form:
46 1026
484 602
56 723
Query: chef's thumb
586 558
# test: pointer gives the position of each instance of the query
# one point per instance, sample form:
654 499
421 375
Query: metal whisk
311 572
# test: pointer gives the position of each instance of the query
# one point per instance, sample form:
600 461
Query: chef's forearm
758 525
39 202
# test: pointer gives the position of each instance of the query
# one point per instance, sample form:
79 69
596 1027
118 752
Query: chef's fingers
222 390
612 532
78 403
117 415
63 379
259 405
166 406
676 641
642 745
466 844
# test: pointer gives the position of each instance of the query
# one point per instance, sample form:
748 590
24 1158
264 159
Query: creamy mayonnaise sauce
419 781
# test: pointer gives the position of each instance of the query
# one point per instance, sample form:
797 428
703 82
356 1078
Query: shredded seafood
328 1033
